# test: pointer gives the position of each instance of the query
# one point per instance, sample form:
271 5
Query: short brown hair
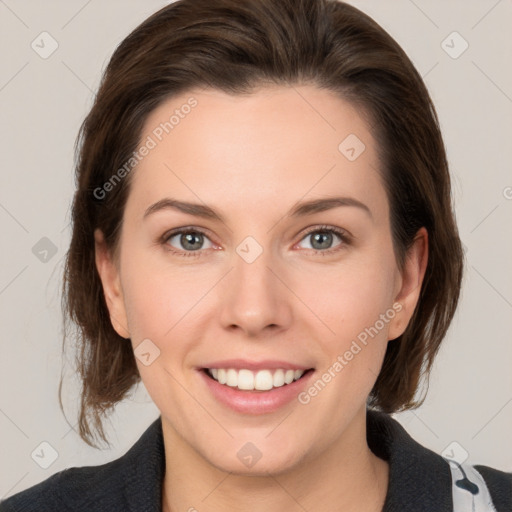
234 46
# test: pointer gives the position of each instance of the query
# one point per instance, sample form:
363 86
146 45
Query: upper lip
267 364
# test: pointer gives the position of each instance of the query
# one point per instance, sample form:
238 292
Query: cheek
351 297
156 308
157 295
355 303
359 311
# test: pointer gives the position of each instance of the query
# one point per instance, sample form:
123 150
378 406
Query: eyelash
342 235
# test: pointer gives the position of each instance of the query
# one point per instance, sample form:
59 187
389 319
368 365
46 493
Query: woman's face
288 265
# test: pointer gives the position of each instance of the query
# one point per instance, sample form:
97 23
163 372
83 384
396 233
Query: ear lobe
110 281
412 276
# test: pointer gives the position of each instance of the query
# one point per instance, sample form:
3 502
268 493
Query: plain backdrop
44 100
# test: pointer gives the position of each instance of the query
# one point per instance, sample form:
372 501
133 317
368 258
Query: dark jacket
419 479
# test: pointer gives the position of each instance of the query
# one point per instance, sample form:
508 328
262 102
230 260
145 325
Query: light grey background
43 102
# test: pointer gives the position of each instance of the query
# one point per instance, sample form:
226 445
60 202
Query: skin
252 158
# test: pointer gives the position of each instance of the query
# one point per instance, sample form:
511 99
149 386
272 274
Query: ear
409 284
109 275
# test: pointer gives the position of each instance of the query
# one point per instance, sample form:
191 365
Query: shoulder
422 480
71 489
117 485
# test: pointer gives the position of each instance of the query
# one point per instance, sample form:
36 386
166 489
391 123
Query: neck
347 476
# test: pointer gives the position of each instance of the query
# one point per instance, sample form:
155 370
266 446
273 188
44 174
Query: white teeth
289 376
221 376
245 379
278 378
262 380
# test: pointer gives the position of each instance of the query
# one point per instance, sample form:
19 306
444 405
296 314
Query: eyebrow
299 210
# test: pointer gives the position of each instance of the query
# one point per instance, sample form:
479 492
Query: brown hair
234 46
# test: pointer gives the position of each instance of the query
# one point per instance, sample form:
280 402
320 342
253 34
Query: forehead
277 144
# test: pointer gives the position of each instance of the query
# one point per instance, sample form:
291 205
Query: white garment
469 490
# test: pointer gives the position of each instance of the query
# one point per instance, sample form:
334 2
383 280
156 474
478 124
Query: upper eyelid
326 227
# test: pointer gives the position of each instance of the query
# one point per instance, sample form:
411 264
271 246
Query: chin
251 461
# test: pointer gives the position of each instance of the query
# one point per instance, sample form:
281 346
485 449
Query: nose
254 297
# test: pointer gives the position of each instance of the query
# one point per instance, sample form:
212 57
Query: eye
187 241
322 238
190 241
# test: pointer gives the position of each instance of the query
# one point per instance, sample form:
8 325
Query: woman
263 234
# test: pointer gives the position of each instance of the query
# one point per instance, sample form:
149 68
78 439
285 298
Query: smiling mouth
261 380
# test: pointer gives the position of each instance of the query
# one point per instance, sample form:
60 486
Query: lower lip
256 402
